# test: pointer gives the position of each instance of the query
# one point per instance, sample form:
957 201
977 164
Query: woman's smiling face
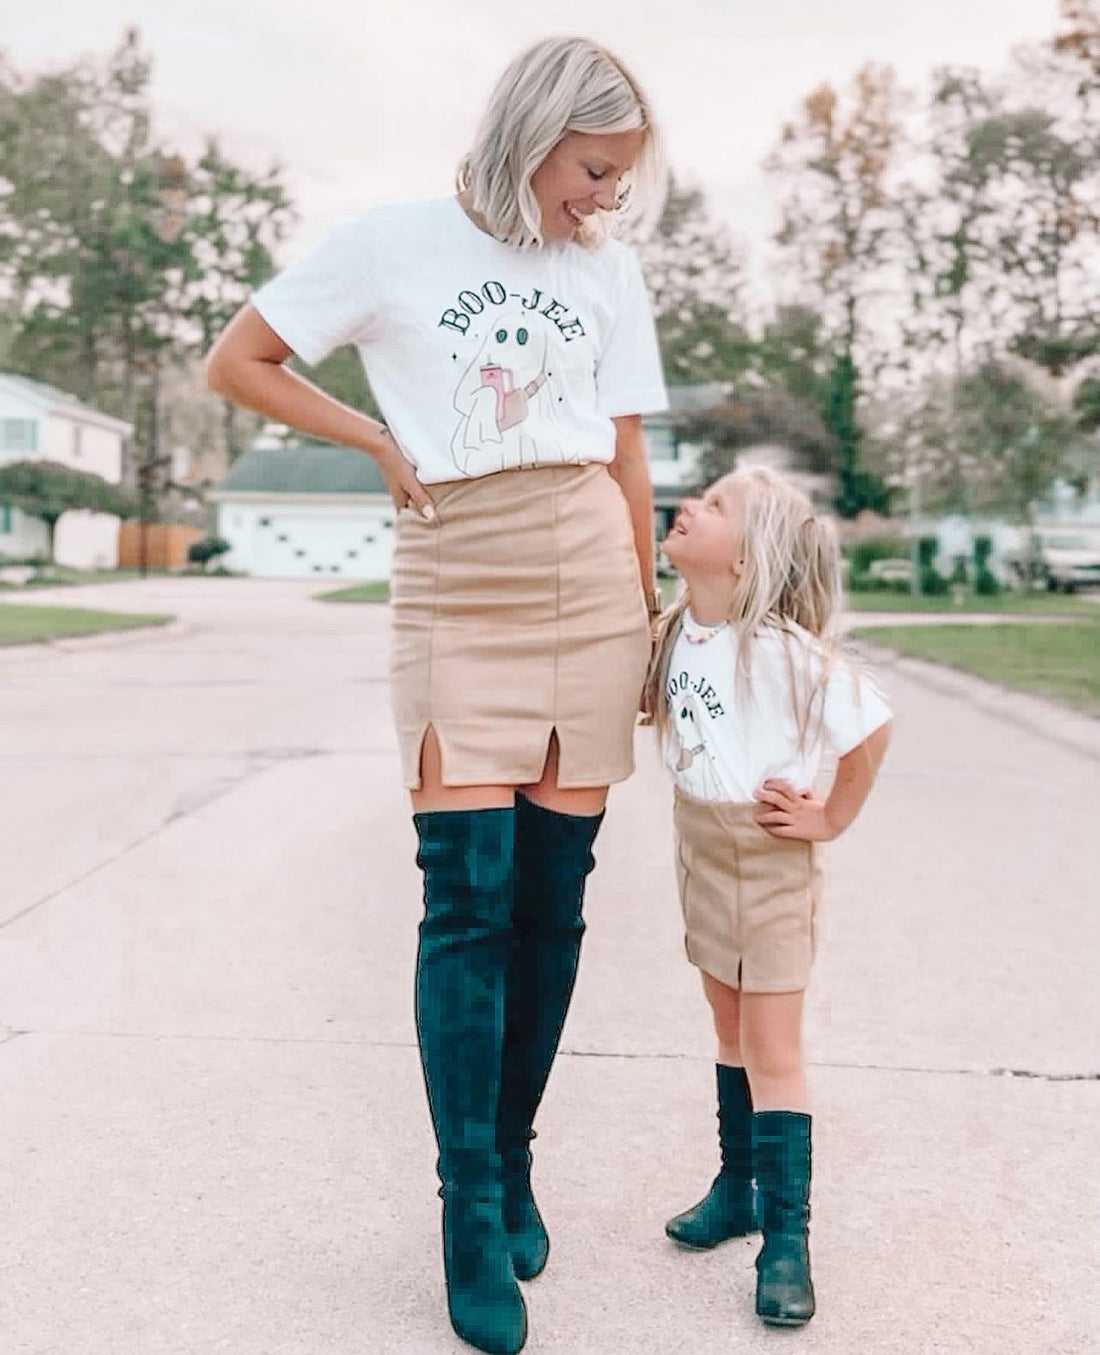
580 176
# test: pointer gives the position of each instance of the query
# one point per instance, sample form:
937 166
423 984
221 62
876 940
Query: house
41 422
673 462
302 509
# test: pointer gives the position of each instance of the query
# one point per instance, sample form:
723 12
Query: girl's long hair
790 584
559 85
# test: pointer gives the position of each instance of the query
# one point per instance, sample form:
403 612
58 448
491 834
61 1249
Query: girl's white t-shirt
482 357
726 737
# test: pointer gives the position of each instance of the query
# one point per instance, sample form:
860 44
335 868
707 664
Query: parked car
1068 559
891 571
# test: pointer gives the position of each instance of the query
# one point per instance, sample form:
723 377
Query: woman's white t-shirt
727 736
482 357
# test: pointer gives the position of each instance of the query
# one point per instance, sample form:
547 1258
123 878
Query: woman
509 343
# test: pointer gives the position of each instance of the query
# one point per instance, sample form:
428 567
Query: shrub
932 581
209 548
862 554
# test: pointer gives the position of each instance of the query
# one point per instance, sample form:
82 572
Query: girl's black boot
727 1209
781 1154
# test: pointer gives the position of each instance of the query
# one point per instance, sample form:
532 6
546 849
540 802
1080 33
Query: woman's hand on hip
400 477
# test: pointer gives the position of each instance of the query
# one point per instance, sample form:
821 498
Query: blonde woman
508 339
747 691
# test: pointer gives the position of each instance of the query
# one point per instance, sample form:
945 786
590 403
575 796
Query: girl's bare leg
771 1044
725 1005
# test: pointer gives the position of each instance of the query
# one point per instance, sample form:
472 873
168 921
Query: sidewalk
214 1130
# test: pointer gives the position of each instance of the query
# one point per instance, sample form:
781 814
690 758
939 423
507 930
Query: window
19 435
662 443
5 519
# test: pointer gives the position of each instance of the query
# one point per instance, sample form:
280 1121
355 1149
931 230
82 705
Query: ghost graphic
505 402
689 757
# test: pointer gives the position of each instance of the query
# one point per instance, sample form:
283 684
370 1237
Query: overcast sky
366 101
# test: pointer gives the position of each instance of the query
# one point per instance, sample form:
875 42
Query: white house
40 422
297 509
306 510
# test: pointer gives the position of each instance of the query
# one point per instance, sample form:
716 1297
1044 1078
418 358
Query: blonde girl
508 339
747 692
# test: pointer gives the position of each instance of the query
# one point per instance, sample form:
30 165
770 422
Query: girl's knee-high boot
727 1208
781 1154
553 859
467 858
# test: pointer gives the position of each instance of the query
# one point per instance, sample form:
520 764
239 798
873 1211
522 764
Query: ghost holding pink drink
506 401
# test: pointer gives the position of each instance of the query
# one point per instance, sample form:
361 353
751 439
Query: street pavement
214 1135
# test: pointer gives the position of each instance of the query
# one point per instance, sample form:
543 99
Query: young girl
508 339
747 690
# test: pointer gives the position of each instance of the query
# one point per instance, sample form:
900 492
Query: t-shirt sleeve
324 299
853 709
629 379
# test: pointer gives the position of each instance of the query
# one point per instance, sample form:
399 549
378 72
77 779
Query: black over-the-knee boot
781 1156
553 859
467 858
727 1208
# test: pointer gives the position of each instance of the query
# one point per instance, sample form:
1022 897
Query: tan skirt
519 611
750 901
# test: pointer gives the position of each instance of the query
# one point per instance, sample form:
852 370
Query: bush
985 582
928 547
862 554
209 548
932 582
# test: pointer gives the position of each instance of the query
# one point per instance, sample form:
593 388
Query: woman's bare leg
434 795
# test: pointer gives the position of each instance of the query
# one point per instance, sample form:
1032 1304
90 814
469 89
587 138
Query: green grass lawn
1057 660
21 625
1035 604
60 576
359 592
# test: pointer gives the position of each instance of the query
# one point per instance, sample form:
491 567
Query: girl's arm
245 366
785 812
630 469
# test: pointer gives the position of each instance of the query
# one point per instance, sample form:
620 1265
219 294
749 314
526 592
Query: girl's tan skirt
518 612
750 900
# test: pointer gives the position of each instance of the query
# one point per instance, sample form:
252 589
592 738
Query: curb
72 644
1068 728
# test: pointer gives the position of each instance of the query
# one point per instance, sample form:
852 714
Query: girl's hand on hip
405 489
786 812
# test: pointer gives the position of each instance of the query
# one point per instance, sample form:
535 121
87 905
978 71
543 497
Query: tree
47 490
695 273
987 441
122 258
763 417
835 163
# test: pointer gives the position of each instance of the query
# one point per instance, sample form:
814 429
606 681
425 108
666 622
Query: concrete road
214 1135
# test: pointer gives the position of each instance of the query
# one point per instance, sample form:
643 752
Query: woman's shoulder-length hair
557 86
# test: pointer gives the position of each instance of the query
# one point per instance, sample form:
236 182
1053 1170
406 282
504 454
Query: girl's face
707 539
580 176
